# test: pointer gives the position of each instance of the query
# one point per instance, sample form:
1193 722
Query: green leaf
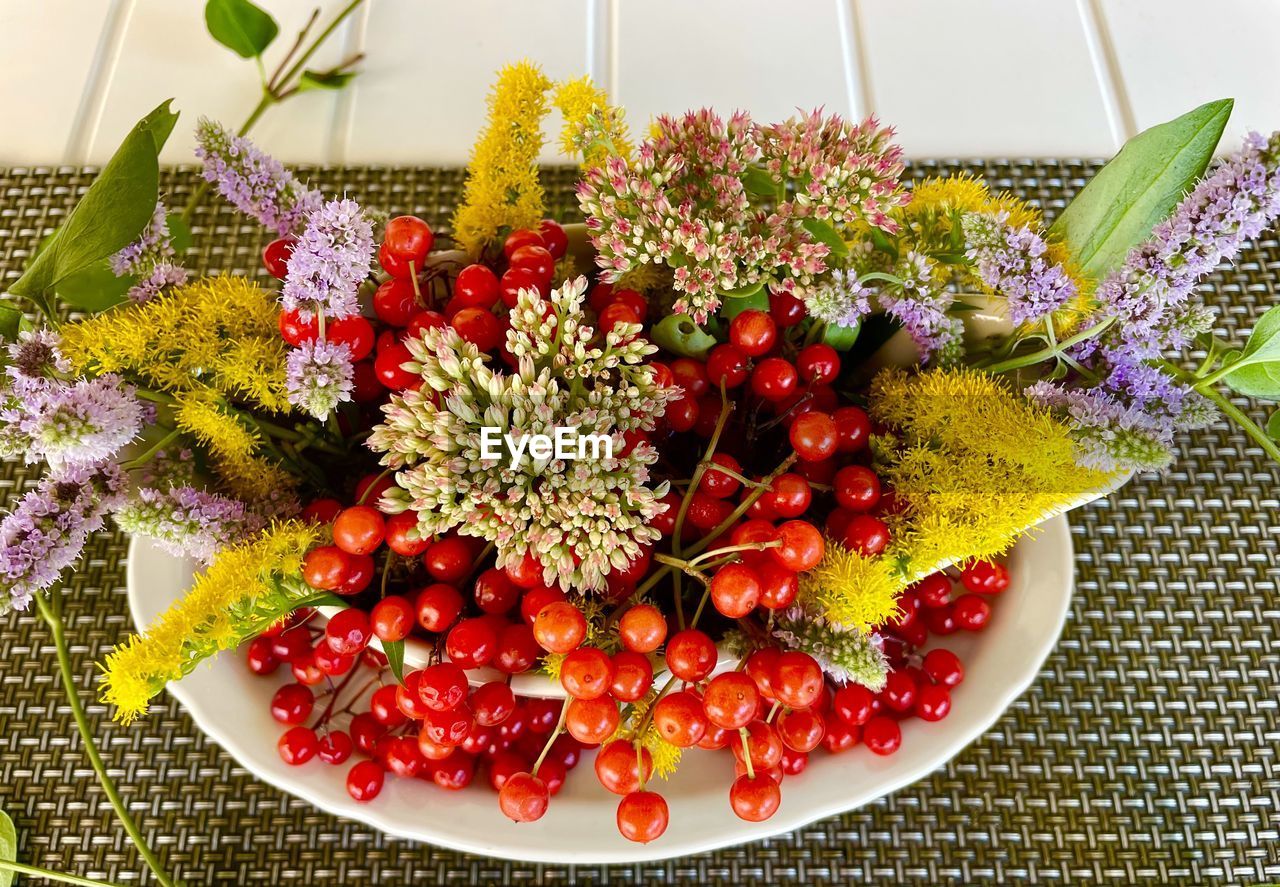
825 233
841 338
743 292
1256 372
8 847
324 80
112 213
962 307
759 182
95 288
759 301
179 233
395 658
1273 426
240 26
1139 187
680 335
10 322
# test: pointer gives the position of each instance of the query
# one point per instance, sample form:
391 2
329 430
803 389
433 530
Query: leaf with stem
245 29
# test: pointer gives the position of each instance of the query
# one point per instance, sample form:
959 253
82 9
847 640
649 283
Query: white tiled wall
957 77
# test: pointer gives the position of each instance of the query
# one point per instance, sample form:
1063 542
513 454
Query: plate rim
796 817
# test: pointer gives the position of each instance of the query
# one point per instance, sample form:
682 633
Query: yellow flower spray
245 589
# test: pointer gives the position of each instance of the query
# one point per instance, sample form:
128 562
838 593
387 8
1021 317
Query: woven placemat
1145 752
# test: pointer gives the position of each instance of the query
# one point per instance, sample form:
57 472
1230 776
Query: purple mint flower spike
319 375
1012 263
329 262
253 182
186 521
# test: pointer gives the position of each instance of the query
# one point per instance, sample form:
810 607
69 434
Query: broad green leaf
680 335
240 26
395 658
1256 372
179 233
962 307
1273 426
95 288
758 182
10 322
112 212
825 233
8 847
743 291
324 80
1139 187
841 338
759 301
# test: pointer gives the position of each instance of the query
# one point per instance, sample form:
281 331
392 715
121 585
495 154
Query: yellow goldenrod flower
233 448
218 332
848 588
502 188
246 588
593 129
973 464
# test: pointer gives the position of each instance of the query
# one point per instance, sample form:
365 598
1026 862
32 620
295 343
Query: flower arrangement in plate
705 468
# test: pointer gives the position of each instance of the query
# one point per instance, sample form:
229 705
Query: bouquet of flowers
717 458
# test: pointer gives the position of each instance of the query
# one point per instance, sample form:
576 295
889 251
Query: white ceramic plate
231 705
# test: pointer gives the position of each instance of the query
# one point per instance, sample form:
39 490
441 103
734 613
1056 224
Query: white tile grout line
599 26
610 40
84 126
344 105
1106 65
857 66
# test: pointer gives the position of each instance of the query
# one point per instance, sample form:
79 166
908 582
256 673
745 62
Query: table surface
959 78
1146 752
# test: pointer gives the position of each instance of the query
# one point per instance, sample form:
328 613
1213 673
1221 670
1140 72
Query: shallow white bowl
231 705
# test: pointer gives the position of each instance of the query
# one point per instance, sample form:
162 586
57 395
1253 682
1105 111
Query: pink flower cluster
722 202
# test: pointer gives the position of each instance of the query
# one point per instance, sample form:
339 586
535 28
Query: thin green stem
34 871
1049 352
50 611
151 452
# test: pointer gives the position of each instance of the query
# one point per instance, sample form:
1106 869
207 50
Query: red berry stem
372 486
335 692
746 752
744 505
552 736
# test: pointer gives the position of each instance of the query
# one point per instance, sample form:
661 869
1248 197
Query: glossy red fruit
395 302
760 665
755 798
814 436
691 655
642 628
276 255
865 534
778 585
786 310
479 327
818 364
335 747
934 590
359 529
797 679
853 429
553 238
406 241
517 280
472 643
365 779
348 631
801 731
355 332
985 577
591 721
900 691
622 767
521 237
526 572
735 590
518 649
560 627
402 535
477 287
753 332
388 366
448 559
774 379
802 546
882 735
933 703
857 488
292 704
259 655
442 686
616 313
726 363
536 258
854 704
524 798
298 745
972 613
730 700
493 703
632 676
495 593
295 330
944 667
643 816
680 719
533 600
438 606
586 673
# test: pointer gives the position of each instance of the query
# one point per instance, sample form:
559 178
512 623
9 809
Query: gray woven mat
1145 753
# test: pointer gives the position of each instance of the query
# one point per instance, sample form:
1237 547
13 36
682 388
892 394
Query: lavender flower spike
319 376
186 521
69 424
329 262
47 531
921 308
1012 263
253 182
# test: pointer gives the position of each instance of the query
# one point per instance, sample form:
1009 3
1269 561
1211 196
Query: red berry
642 628
536 258
402 535
778 585
853 429
295 330
389 369
786 310
899 693
818 364
348 631
425 320
521 237
395 302
934 590
554 238
479 327
789 495
524 798
518 649
359 529
616 313
406 241
643 816
866 535
680 719
753 332
985 577
691 375
535 599
633 300
726 363
560 627
882 735
292 704
619 766
632 676
275 258
448 559
730 700
454 772
260 658
298 745
526 572
476 287
365 779
493 703
591 721
840 737
755 798
586 673
797 679
690 655
943 667
735 590
972 612
384 705
360 572
355 332
495 593
760 665
801 731
857 488
442 686
438 606
941 620
934 703
774 378
335 747
814 437
472 643
802 546
716 483
517 280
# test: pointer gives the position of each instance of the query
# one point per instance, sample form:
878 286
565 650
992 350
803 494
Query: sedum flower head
329 262
253 182
581 518
248 586
502 189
